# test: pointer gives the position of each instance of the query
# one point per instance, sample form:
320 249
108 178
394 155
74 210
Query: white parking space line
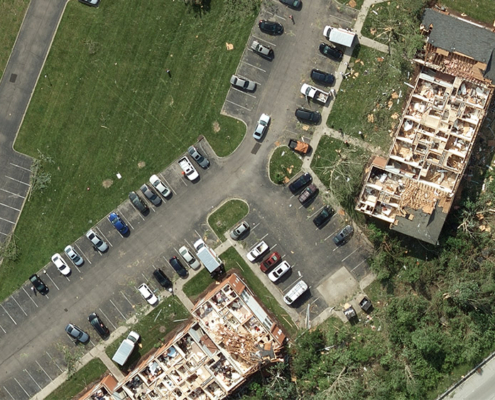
264 40
349 255
254 66
316 212
120 312
75 265
1 327
255 226
168 184
17 180
13 208
263 237
240 91
6 220
4 388
280 17
99 230
297 280
332 234
53 361
125 297
201 237
27 372
299 273
184 182
6 312
90 341
4 234
86 257
238 105
18 166
358 265
272 247
49 377
138 212
27 294
27 394
13 298
12 193
302 205
126 220
49 277
108 319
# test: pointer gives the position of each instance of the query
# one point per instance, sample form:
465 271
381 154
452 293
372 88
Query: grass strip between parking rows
284 164
91 372
227 216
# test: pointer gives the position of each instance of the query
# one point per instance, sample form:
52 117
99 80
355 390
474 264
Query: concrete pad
337 287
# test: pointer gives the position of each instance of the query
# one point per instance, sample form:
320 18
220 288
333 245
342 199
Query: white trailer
314 93
340 36
209 258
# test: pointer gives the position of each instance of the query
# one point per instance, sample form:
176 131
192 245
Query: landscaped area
284 164
480 10
225 217
110 107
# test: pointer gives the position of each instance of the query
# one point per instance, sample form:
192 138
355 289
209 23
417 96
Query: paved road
477 386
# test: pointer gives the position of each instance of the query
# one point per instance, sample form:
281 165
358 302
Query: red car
272 260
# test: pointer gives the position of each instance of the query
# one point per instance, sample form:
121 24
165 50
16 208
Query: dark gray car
151 195
343 236
138 204
198 157
77 333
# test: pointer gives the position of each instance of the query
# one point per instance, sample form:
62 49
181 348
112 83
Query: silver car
96 241
239 230
198 157
189 258
151 195
77 333
73 255
243 84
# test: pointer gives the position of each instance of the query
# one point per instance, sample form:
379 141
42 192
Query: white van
126 348
295 292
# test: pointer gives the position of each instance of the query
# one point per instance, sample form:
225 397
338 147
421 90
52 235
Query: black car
270 27
98 325
178 267
300 183
308 116
343 236
162 279
38 284
294 4
331 51
139 204
322 77
324 216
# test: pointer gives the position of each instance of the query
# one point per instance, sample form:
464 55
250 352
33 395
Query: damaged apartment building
413 189
229 337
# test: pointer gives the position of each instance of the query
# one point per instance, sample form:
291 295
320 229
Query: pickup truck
263 51
258 250
299 146
314 93
188 169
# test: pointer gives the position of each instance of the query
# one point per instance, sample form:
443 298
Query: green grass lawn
197 285
91 372
284 164
153 328
11 16
227 216
110 105
481 10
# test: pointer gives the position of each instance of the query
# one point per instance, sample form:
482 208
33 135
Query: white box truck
340 36
126 348
209 259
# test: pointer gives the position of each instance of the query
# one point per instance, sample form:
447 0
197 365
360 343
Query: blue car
118 223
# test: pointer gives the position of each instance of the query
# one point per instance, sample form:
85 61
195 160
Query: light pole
49 81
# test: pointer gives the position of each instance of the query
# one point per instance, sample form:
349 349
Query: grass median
284 164
227 216
109 106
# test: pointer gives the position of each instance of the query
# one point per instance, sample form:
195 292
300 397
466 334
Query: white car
257 251
261 127
188 169
59 262
147 294
276 274
163 189
189 258
97 242
73 255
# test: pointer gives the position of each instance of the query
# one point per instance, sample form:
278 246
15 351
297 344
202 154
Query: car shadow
284 277
302 299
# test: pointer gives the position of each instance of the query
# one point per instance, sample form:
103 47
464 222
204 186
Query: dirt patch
216 127
141 164
107 183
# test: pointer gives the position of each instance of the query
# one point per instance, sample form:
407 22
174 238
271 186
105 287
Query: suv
38 284
198 157
162 279
300 183
96 241
151 195
270 262
178 267
308 193
308 116
343 236
324 216
331 51
98 325
77 333
138 203
322 77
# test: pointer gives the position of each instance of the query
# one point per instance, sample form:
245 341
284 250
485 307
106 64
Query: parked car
297 291
257 251
277 273
294 4
308 116
163 189
271 261
98 325
322 77
323 216
91 3
188 169
74 255
118 224
38 284
262 50
270 27
162 279
97 242
343 236
138 203
243 84
76 333
300 183
150 194
198 157
239 230
331 51
147 294
308 193
178 267
189 258
59 262
262 126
